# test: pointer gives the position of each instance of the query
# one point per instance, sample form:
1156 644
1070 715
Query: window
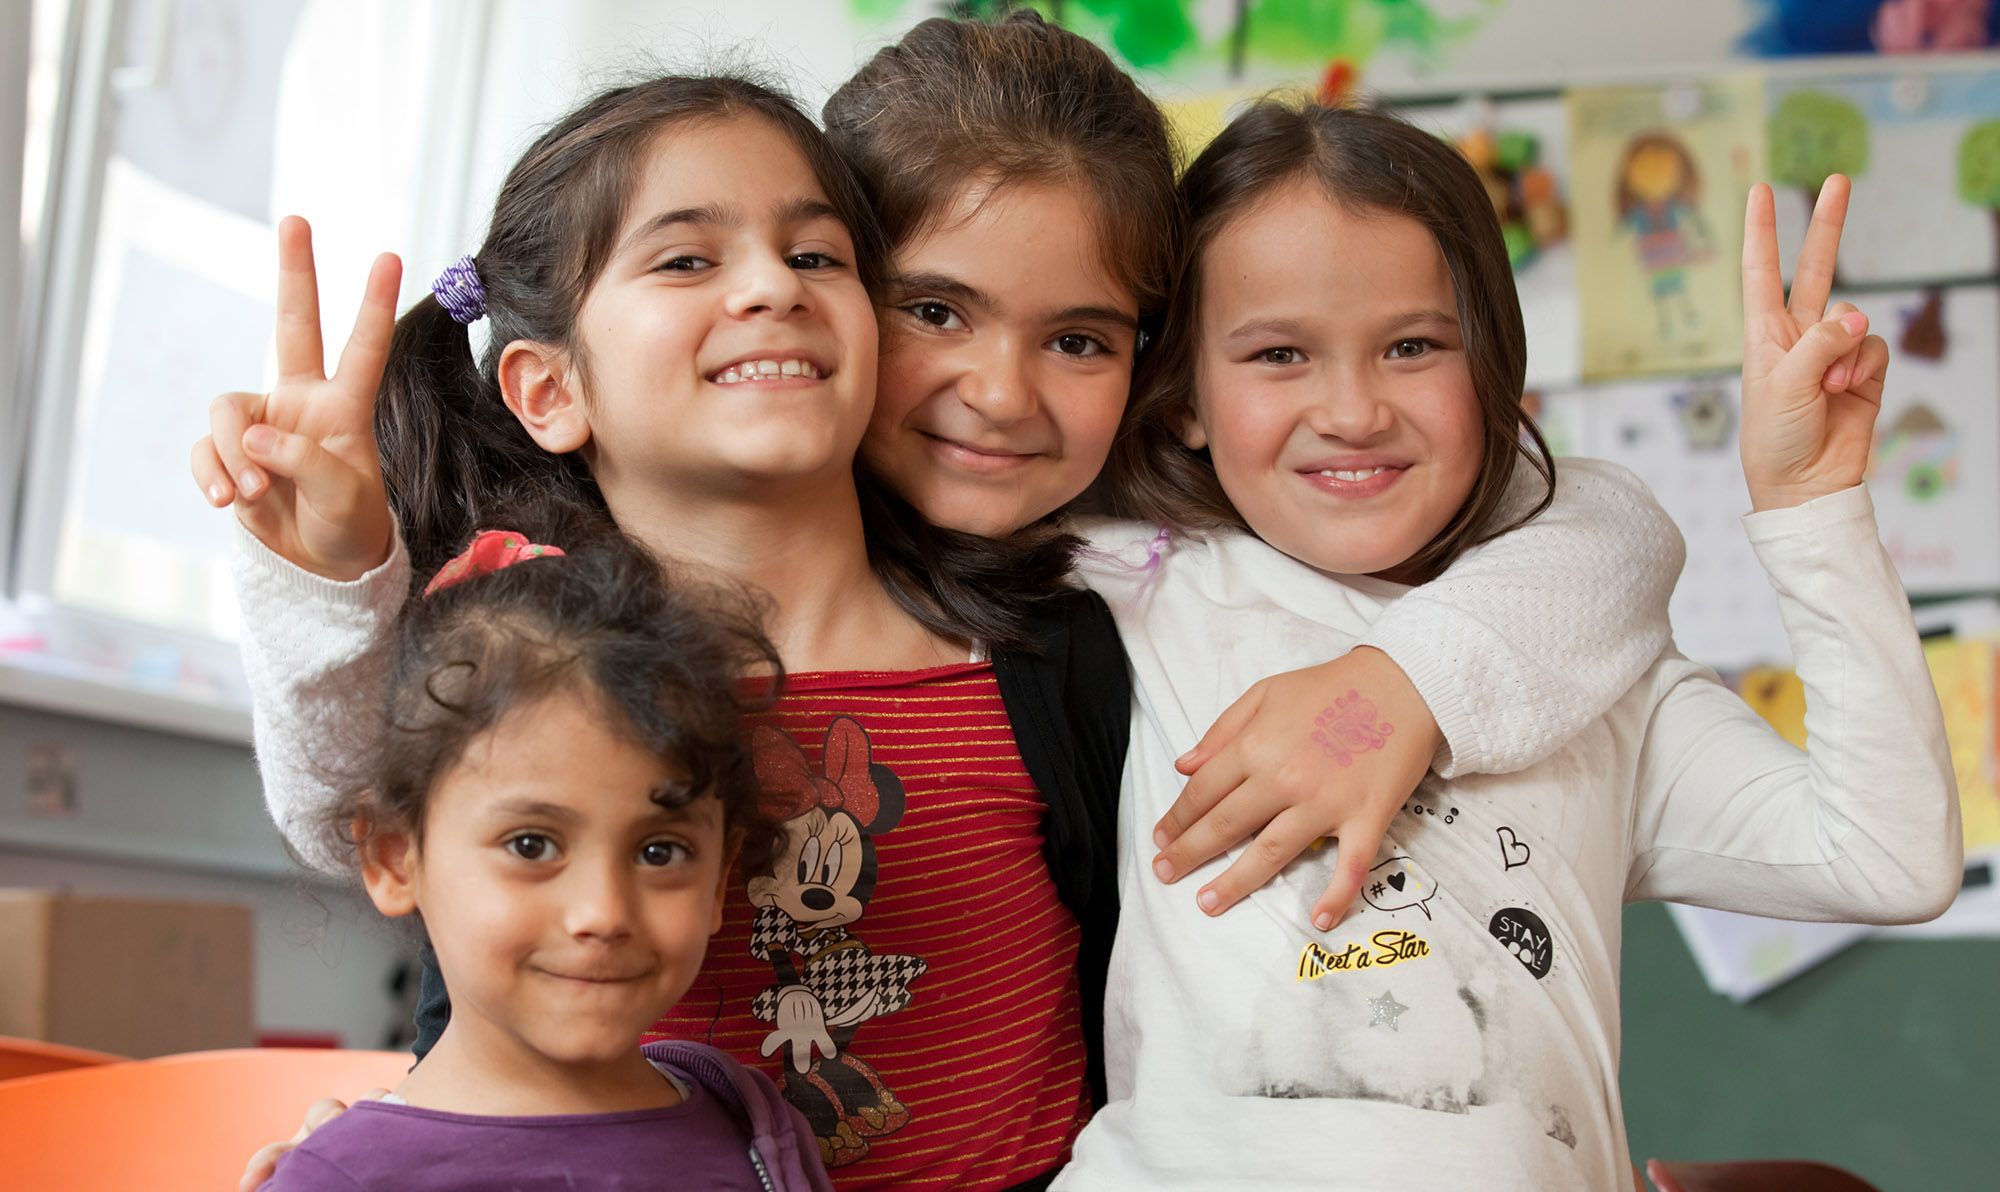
163 141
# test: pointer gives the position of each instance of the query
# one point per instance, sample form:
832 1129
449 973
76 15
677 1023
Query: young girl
919 1051
1026 185
1345 372
569 906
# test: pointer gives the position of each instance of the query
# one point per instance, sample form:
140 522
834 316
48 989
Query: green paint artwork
1979 169
1813 135
1159 33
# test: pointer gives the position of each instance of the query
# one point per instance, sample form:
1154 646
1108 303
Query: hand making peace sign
1812 384
300 462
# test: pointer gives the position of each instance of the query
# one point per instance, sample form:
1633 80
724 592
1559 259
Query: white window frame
41 345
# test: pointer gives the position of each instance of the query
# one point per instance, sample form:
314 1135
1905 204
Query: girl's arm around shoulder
1864 825
316 653
1526 639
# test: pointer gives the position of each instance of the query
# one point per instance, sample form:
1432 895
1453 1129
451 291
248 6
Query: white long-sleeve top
1507 681
1461 1028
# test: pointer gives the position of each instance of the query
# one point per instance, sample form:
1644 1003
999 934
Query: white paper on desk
1742 956
1975 914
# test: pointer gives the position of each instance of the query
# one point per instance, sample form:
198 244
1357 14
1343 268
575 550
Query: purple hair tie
459 292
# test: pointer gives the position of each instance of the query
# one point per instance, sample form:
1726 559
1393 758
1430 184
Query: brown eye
658 854
1279 355
530 847
1410 349
935 314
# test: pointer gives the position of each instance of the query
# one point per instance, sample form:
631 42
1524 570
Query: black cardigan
1071 703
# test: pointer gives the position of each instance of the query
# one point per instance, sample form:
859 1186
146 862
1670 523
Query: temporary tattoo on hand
1348 726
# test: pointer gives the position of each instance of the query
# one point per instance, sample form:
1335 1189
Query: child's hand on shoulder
300 462
264 1164
1812 376
1330 750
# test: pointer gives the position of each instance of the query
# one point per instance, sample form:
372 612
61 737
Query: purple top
707 1141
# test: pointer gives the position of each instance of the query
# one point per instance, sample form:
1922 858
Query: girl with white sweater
1356 418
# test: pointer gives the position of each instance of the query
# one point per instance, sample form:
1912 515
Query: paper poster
1935 475
1964 670
1680 438
1923 151
1660 174
1742 956
1521 149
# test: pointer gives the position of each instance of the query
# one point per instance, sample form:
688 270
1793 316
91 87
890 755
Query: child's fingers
1234 808
300 353
1218 736
1763 280
1359 842
367 350
1282 840
324 481
1205 788
1838 377
228 417
1870 370
262 1166
1804 368
209 474
1812 281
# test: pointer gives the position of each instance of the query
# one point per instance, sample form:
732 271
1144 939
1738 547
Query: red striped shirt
948 988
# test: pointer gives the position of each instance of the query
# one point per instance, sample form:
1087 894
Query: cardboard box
133 976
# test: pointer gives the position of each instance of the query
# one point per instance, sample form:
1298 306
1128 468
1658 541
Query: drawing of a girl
1659 189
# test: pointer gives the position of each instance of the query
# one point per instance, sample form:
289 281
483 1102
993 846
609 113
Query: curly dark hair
675 668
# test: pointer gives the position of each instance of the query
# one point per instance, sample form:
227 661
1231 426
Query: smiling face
1333 391
567 908
730 342
1006 360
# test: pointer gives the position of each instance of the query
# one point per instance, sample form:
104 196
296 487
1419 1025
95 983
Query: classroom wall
165 816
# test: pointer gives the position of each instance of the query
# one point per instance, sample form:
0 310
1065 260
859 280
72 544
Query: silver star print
1385 1009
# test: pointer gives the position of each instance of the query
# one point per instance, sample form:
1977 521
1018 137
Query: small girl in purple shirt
562 790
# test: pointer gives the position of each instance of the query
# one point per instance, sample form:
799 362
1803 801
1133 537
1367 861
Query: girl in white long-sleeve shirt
1343 382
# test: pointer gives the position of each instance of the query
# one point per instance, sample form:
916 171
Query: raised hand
300 462
1812 377
1331 750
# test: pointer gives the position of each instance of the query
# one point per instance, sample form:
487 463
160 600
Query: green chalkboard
1885 1060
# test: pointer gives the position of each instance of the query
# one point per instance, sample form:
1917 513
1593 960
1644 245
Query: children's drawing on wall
1787 27
1207 41
1521 149
1924 154
1659 197
1936 465
1658 176
1679 437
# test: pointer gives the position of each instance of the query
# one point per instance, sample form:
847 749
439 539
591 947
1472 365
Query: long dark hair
451 450
1366 160
666 660
1006 103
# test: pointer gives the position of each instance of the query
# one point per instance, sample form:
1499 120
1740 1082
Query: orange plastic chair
1782 1175
180 1123
32 1057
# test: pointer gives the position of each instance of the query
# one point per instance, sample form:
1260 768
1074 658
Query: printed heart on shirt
1396 882
1512 851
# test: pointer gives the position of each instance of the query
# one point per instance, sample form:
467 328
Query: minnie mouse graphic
828 981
